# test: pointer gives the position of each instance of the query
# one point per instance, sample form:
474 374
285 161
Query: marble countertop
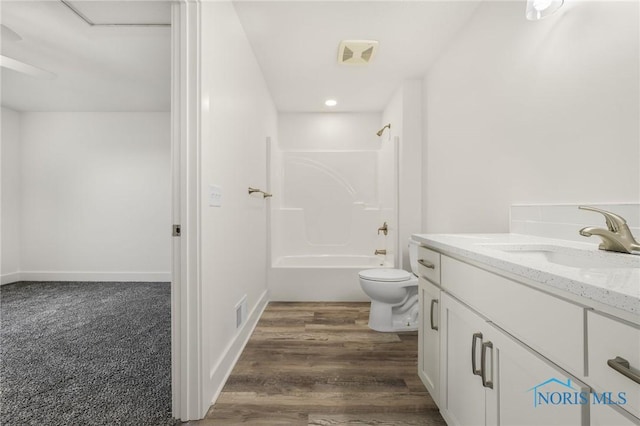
610 279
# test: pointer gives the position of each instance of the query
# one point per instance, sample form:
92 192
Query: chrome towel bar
264 194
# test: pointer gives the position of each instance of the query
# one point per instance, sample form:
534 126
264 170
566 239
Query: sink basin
568 256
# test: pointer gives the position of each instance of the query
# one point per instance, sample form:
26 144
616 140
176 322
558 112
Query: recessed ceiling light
331 102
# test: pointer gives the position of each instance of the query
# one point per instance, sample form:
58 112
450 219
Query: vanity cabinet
429 337
515 351
603 415
429 325
485 374
550 325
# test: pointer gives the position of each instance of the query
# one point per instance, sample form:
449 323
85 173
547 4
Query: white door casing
186 353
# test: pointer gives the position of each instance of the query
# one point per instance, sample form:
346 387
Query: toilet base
396 328
386 318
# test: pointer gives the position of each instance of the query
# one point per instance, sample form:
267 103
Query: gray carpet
85 354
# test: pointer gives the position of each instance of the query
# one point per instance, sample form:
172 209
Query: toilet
394 295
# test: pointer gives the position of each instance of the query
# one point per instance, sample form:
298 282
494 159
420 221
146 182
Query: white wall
404 112
237 117
532 112
10 215
96 196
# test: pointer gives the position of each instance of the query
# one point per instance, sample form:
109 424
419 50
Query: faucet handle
614 222
384 228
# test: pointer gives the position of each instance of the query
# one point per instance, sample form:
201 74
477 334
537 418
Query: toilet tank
413 255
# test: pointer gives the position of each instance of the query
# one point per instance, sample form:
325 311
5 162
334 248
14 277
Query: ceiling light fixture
538 9
331 102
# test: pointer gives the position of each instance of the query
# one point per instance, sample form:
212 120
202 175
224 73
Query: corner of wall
11 213
404 111
424 154
10 278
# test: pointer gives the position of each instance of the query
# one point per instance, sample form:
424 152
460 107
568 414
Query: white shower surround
325 212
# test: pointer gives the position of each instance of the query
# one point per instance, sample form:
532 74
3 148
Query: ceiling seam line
93 24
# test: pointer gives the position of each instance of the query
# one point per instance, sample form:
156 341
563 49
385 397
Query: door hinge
176 230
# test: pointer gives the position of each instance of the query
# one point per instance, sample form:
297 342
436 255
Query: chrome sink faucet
617 236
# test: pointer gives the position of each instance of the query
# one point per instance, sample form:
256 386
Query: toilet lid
389 275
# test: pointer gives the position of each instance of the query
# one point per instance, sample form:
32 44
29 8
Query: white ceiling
124 12
296 44
97 68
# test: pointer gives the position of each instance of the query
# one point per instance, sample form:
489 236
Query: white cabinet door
462 395
612 342
603 415
489 378
429 338
539 393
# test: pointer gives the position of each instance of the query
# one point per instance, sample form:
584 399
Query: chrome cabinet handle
486 383
433 302
623 367
426 264
474 370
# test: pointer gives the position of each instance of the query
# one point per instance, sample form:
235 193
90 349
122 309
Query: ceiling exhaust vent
357 51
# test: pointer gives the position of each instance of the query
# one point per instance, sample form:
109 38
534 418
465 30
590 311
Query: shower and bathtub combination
334 206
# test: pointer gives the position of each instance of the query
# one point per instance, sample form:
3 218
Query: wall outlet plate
215 196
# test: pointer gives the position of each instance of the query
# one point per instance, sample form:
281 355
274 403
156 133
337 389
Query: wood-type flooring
320 364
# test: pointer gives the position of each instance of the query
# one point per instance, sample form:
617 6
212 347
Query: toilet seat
385 275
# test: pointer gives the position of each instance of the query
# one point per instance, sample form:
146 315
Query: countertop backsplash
563 221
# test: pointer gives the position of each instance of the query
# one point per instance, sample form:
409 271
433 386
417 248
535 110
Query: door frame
186 319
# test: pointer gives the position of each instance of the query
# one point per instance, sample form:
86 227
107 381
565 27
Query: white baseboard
13 277
86 276
220 372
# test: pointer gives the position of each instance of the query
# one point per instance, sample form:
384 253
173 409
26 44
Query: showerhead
379 132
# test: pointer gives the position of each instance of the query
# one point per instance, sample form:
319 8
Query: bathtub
320 278
331 261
